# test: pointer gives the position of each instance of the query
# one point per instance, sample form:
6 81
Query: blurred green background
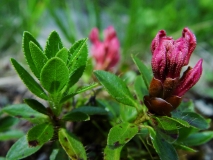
136 23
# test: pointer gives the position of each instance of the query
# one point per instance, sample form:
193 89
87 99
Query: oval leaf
21 149
91 110
38 57
27 38
40 134
63 55
53 45
115 87
72 145
25 112
28 80
54 75
197 139
37 106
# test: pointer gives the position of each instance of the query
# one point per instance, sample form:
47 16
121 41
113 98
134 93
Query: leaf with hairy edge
40 134
25 112
20 149
146 74
72 146
75 116
54 75
53 45
77 61
38 57
28 80
63 55
110 154
80 90
37 106
27 38
165 150
115 87
199 138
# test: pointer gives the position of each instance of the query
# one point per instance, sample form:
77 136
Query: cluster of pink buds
168 57
106 53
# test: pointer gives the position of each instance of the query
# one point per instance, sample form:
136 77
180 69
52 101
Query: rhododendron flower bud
106 53
168 57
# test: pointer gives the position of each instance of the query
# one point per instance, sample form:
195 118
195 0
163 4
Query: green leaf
128 114
121 134
197 139
72 145
25 112
185 148
110 154
37 106
40 134
118 136
12 134
192 118
140 88
27 38
80 90
164 149
7 122
53 45
58 154
54 75
76 116
91 110
77 61
28 80
38 57
21 149
115 87
63 55
146 74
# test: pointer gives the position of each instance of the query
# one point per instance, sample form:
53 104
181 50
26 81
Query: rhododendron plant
168 57
106 53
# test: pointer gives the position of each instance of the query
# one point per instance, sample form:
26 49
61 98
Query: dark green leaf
80 90
75 116
25 112
40 134
164 149
37 106
146 74
72 145
28 80
7 122
120 134
12 134
192 118
38 57
63 54
54 75
116 87
140 88
53 45
197 139
21 149
91 110
27 38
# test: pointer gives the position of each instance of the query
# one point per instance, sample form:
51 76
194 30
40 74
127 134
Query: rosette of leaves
182 130
56 70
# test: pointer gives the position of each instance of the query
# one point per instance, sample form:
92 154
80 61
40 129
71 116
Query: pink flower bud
189 79
107 53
